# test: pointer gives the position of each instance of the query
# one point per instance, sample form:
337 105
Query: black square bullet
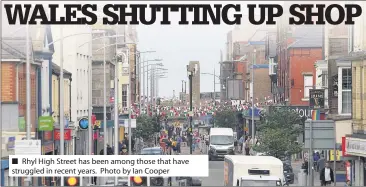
14 161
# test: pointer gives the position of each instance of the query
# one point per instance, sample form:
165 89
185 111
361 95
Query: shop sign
45 123
67 134
355 146
303 111
11 143
21 123
316 100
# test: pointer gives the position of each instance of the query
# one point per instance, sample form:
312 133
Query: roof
13 48
151 149
221 131
56 70
307 36
256 160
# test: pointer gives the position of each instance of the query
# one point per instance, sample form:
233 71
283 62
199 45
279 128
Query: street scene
270 105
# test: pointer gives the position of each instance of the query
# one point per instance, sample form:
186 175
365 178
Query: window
124 95
308 84
346 79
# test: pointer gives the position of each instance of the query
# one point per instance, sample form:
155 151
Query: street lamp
147 77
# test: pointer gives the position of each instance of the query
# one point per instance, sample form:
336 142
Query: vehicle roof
151 148
221 131
259 177
258 160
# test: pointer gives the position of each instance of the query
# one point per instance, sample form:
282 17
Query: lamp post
141 76
252 90
147 77
62 127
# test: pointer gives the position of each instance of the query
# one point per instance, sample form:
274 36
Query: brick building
13 83
297 51
262 83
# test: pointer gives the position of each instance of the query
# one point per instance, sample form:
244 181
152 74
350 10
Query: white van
221 143
240 170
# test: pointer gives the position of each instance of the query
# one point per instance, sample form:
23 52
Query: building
296 57
270 55
98 98
196 89
238 34
355 142
13 92
332 72
227 70
77 58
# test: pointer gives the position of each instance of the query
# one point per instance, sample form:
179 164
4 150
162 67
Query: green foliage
225 118
278 134
147 126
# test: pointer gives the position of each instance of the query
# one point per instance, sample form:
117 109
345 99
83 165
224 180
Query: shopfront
47 149
7 149
67 141
356 148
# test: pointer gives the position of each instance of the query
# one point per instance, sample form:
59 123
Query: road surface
216 174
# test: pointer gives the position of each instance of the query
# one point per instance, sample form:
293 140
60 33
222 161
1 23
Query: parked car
288 172
154 181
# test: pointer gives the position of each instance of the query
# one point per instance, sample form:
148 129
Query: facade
296 59
97 73
77 57
195 82
13 88
355 142
227 70
238 34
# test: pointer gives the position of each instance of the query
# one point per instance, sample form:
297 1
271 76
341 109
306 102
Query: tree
278 134
226 118
147 126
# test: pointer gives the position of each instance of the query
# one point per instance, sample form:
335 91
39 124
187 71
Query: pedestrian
241 142
316 158
248 146
179 141
326 175
348 183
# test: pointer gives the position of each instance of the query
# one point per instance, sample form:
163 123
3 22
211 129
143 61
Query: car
288 172
154 181
151 151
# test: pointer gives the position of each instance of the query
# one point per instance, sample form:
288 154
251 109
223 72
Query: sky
178 44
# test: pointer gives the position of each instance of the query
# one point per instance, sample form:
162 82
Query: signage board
303 111
322 135
45 123
28 147
355 146
84 123
316 99
21 123
11 143
67 134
